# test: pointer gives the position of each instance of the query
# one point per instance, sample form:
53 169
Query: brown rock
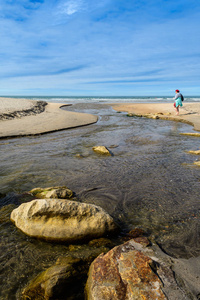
123 273
142 240
136 232
133 234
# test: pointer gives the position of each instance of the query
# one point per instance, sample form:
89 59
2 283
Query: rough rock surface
123 273
60 192
62 220
101 150
131 271
197 152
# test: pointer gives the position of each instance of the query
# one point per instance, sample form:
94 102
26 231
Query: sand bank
51 119
189 113
11 105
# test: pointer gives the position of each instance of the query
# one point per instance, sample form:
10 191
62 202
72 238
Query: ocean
103 99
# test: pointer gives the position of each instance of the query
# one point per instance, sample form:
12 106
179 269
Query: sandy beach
21 117
189 113
28 122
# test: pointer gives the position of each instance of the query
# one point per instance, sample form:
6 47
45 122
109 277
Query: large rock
62 220
123 273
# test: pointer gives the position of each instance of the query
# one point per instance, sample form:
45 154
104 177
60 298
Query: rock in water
197 152
123 273
101 150
62 220
60 192
57 282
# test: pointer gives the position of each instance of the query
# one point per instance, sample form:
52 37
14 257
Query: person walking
178 101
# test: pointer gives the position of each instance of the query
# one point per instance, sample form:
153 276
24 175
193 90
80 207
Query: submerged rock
59 192
61 280
136 232
123 273
101 150
61 220
57 282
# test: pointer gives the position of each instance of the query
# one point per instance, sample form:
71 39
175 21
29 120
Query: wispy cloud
44 72
70 7
99 47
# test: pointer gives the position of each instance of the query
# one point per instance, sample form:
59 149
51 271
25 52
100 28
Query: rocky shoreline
133 267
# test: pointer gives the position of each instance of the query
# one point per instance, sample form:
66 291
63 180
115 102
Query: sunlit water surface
149 182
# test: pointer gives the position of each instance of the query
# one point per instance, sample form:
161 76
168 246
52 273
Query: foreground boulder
123 273
62 220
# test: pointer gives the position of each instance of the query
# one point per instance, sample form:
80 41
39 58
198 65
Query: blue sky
106 47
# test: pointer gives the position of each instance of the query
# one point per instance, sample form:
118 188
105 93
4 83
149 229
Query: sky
99 48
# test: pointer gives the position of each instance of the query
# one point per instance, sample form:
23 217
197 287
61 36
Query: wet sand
51 119
189 112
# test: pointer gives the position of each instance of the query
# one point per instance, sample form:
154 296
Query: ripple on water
149 182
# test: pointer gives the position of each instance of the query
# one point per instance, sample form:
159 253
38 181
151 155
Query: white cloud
70 7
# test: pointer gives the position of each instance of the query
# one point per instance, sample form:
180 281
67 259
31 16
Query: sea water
104 99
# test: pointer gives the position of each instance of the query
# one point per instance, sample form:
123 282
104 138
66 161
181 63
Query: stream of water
149 182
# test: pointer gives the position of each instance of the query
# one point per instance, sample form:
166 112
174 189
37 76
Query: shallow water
149 182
